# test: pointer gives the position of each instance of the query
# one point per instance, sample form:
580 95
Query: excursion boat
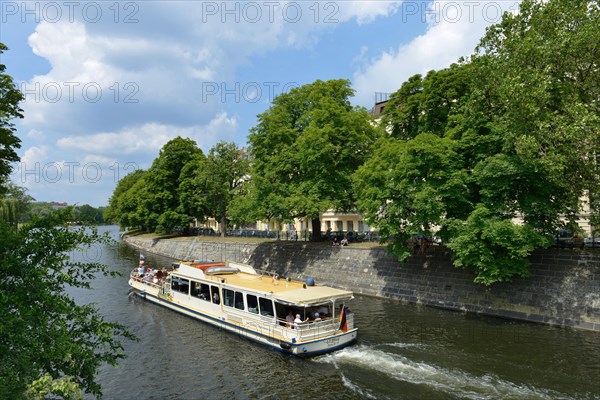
292 316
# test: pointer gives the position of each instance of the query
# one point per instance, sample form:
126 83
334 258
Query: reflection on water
403 352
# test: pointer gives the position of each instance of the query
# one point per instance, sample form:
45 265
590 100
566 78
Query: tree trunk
316 229
223 224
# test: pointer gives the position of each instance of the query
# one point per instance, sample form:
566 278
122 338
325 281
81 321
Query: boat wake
454 382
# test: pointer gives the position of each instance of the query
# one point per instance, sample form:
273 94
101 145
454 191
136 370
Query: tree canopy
124 206
511 133
182 185
304 150
10 97
159 198
211 183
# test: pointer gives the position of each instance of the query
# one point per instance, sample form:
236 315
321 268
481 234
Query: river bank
563 289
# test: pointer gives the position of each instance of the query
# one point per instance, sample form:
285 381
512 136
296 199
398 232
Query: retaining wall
564 288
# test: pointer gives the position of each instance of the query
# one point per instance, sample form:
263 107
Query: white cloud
27 172
35 134
149 138
454 30
364 11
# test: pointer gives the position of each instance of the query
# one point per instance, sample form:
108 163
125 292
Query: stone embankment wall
564 288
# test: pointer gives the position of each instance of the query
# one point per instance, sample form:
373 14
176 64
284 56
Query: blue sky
108 83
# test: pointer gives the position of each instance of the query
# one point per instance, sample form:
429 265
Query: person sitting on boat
298 321
317 317
289 320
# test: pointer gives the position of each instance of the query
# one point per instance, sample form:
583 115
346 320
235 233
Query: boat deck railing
145 279
309 330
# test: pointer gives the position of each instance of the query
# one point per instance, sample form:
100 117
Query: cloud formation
454 30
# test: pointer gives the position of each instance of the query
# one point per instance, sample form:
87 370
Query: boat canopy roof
291 292
312 295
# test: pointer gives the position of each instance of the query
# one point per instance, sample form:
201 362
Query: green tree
40 209
192 189
10 97
89 214
410 187
214 181
45 334
123 204
512 133
22 200
160 202
539 80
305 149
433 104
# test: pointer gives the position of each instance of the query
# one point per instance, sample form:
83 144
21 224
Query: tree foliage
10 97
211 183
160 198
43 331
511 133
181 186
304 150
124 206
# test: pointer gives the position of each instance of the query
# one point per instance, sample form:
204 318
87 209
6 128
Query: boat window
180 285
228 297
200 290
214 290
252 302
266 307
239 300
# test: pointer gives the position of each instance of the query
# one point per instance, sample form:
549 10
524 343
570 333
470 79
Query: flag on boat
343 323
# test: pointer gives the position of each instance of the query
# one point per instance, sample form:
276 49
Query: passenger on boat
317 317
298 321
215 297
289 320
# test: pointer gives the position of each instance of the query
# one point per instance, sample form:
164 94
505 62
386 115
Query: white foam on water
407 345
356 389
453 381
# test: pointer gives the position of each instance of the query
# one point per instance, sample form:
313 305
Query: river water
403 352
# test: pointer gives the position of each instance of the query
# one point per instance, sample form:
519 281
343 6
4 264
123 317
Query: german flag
343 324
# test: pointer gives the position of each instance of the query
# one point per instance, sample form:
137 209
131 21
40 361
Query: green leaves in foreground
43 332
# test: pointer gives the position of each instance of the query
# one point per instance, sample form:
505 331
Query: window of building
200 290
180 285
350 226
339 225
327 224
